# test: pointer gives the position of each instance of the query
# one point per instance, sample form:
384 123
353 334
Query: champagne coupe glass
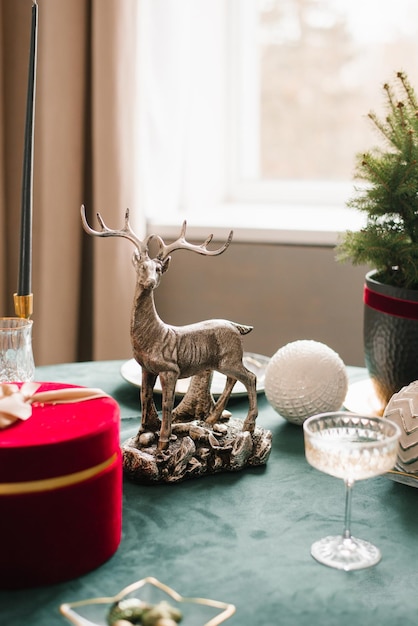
352 447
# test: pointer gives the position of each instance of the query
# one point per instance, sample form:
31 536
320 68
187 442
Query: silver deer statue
173 352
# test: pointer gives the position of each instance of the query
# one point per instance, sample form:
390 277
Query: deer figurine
173 352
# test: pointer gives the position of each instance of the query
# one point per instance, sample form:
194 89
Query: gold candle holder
23 305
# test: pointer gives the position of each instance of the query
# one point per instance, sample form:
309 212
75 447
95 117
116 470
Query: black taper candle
25 261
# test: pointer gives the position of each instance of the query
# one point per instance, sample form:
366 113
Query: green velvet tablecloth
245 537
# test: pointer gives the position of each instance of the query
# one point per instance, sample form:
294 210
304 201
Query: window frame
290 212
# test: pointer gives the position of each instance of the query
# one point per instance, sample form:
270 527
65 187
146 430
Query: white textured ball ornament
304 378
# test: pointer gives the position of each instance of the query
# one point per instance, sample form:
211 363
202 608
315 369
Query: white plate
256 363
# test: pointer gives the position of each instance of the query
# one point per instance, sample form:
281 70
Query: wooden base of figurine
196 449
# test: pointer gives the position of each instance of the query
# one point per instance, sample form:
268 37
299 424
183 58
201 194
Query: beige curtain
85 136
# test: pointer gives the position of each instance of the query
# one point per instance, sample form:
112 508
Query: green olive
160 612
130 610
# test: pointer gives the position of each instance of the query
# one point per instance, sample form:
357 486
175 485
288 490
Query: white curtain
183 128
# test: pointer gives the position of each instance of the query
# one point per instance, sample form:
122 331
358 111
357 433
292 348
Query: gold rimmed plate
195 611
361 398
256 363
399 476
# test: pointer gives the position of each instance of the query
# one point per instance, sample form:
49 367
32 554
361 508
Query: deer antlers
164 249
182 244
104 231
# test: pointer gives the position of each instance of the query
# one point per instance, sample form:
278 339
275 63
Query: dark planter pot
390 336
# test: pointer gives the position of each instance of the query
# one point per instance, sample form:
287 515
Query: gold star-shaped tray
195 611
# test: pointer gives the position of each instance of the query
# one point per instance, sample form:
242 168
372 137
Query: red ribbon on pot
392 306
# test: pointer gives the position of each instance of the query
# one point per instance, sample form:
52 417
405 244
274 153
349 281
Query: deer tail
242 328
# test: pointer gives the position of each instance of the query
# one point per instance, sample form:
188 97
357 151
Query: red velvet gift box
60 491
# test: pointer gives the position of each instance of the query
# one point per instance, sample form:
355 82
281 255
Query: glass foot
345 553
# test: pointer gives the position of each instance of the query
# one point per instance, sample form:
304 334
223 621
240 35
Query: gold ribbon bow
16 403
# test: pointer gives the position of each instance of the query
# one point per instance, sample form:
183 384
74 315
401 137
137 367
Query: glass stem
347 516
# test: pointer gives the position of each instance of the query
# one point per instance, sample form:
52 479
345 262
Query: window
253 110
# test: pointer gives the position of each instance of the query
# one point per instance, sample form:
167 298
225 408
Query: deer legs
249 380
149 419
198 402
218 408
168 385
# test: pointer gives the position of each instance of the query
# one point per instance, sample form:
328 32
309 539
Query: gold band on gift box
23 305
48 484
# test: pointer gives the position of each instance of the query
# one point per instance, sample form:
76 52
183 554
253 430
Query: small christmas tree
389 240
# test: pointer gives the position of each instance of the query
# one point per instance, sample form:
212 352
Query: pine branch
389 241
